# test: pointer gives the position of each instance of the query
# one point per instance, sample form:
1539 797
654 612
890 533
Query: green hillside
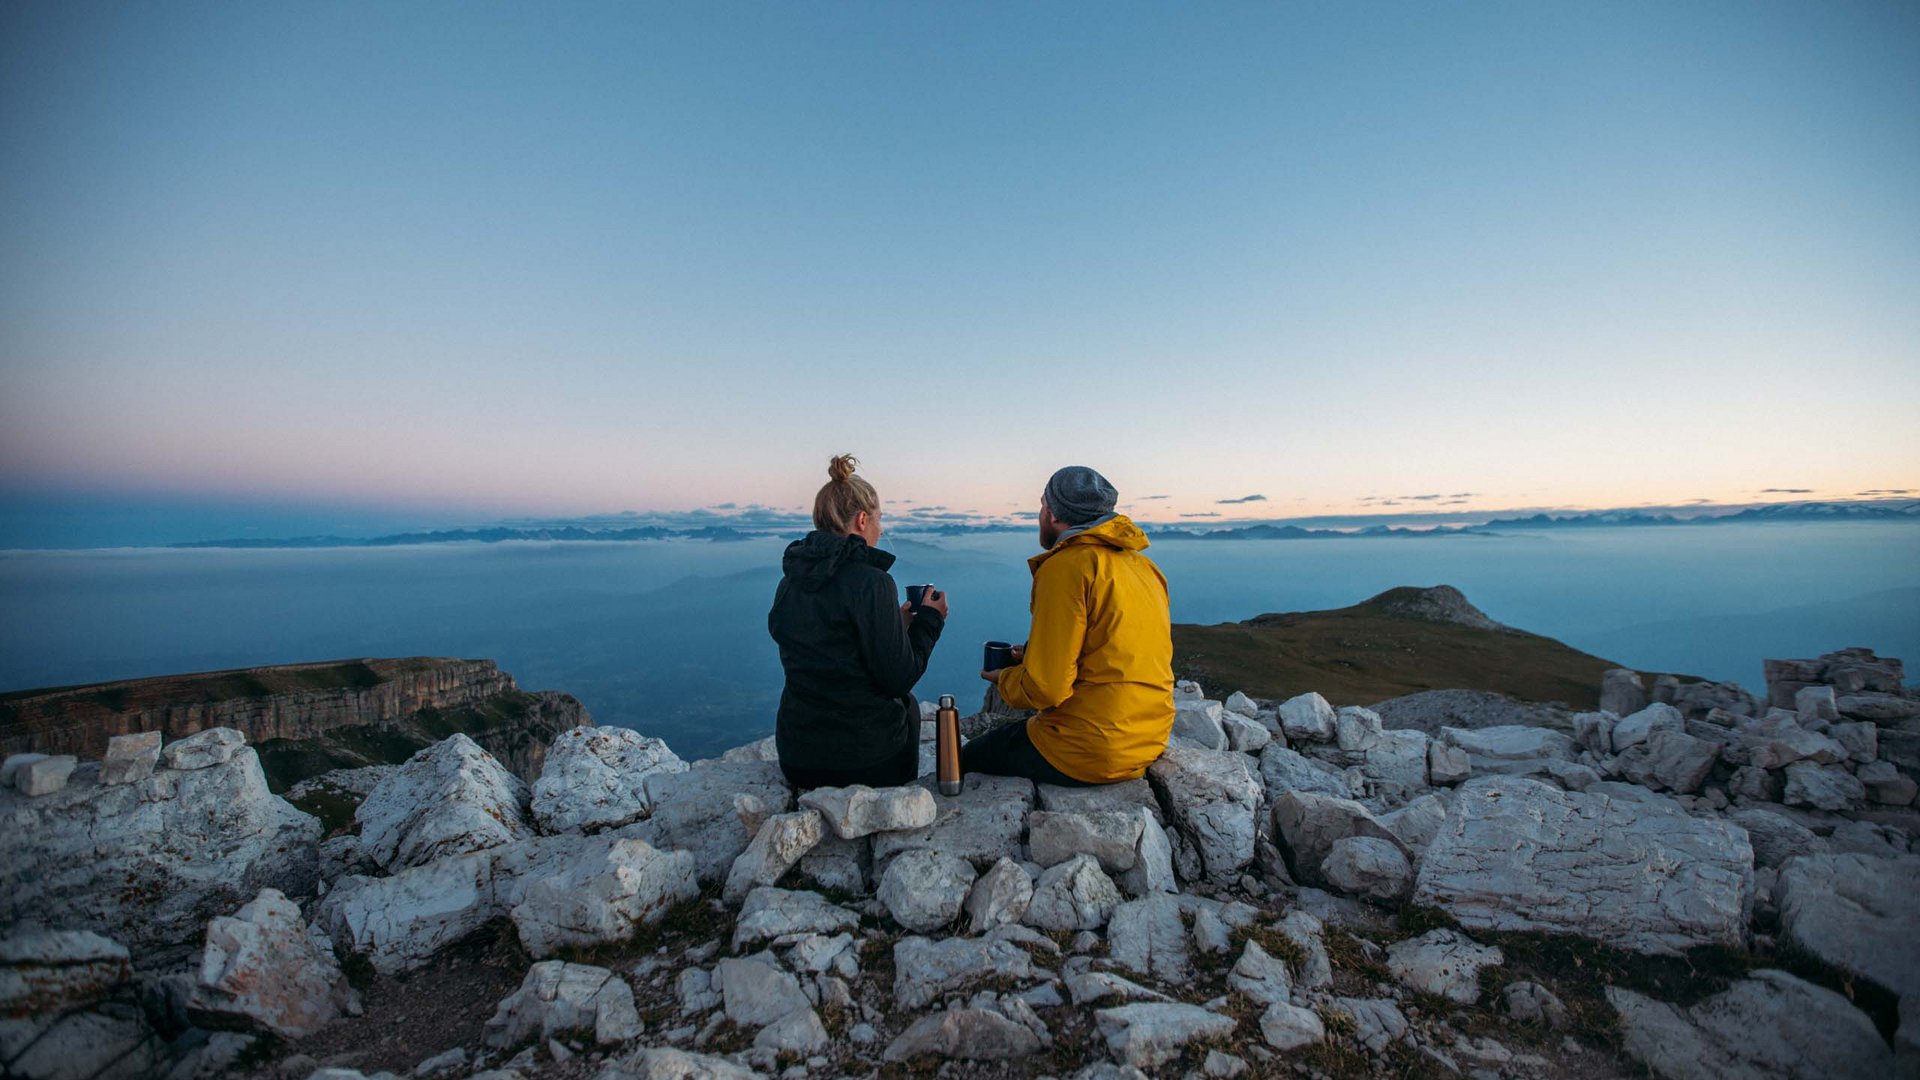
1401 642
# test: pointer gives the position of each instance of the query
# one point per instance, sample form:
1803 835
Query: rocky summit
1690 881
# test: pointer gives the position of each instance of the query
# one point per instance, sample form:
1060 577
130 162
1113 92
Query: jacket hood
811 561
1118 532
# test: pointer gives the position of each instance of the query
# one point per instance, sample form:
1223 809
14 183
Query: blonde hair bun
841 468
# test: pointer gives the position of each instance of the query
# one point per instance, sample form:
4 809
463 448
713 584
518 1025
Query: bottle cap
946 701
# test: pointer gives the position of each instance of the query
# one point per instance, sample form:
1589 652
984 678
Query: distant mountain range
1815 511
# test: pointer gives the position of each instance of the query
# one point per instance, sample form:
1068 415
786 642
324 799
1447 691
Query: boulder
557 998
1778 741
800 1032
1855 913
758 993
1511 749
1073 895
44 775
982 824
1518 854
595 778
1000 896
1212 798
1111 836
1675 761
1754 784
1308 825
857 811
1152 869
1125 795
924 969
694 811
1367 866
1594 731
1260 976
1395 763
147 863
1246 735
1815 705
1287 1027
1307 718
1150 1034
667 1063
130 758
1635 728
1149 936
203 749
1238 702
1771 1026
1447 765
972 1034
601 894
1775 838
924 889
1879 708
1417 823
1823 787
1283 770
1199 724
399 922
262 968
47 972
843 865
1442 962
451 798
1886 784
780 843
1621 692
770 913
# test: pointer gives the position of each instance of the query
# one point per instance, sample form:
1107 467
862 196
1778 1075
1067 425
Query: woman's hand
933 601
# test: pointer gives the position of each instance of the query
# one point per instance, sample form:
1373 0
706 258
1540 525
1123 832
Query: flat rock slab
977 1034
1442 962
1125 795
1510 749
1858 913
982 824
46 972
769 913
858 810
924 968
694 811
1518 854
1771 1026
1149 1034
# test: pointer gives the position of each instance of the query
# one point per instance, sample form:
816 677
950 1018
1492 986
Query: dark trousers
901 768
1006 751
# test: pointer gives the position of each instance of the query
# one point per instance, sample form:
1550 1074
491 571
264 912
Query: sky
280 266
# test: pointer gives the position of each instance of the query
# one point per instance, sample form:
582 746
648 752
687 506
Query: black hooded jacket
851 661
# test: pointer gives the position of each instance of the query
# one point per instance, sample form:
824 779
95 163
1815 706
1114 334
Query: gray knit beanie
1077 495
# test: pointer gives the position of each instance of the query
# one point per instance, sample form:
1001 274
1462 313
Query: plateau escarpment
305 719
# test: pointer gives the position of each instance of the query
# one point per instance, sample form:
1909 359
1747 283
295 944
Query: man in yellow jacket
1098 663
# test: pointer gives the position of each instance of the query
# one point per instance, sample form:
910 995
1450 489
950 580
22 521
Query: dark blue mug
917 595
999 654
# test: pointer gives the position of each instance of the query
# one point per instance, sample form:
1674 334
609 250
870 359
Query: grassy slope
1363 654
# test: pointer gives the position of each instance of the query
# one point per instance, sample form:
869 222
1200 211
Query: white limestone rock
1073 895
780 843
47 972
1637 727
844 865
758 993
1307 718
1126 795
1447 765
857 811
1244 734
1199 723
1395 763
595 778
924 889
1518 854
1511 749
924 969
1823 787
1355 729
982 824
1856 913
1367 866
1622 692
1778 740
1213 800
451 798
601 894
1238 702
1260 976
1152 869
1283 770
399 922
203 749
1287 1027
261 967
1377 1022
694 811
667 1063
1532 1003
1308 825
1000 896
147 863
130 758
44 775
1149 936
1771 1026
1442 962
557 998
967 1034
1150 1034
1884 783
1670 761
1417 823
770 913
109 1042
798 1032
1111 836
1089 987
1775 838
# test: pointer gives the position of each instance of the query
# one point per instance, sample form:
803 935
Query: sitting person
1098 663
851 650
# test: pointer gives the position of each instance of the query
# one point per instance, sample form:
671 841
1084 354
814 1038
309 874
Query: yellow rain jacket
1099 660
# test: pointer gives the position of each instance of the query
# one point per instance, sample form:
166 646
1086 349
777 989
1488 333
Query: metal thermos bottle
946 745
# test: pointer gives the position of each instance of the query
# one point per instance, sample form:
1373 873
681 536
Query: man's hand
1019 654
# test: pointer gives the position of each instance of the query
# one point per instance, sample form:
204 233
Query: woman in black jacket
851 650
